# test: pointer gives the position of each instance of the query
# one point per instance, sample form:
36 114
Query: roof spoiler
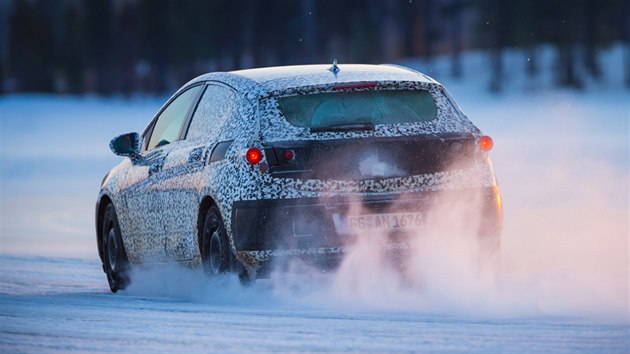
412 70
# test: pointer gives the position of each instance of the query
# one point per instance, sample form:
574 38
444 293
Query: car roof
262 82
323 73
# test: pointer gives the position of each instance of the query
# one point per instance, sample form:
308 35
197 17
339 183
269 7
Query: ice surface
63 305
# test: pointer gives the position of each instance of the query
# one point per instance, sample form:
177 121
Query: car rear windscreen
326 109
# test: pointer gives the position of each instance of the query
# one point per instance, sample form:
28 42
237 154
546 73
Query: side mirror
126 145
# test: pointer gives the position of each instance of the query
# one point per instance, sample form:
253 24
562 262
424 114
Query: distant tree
155 39
430 34
416 23
109 46
99 21
365 31
32 44
309 44
126 43
390 33
563 23
495 15
591 14
335 24
408 16
202 15
5 11
22 44
604 23
73 44
453 11
625 30
526 22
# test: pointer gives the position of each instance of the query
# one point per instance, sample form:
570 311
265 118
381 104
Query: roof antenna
334 68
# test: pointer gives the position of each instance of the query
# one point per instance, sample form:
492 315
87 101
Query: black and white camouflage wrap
157 202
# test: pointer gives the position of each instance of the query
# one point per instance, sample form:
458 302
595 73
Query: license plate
380 222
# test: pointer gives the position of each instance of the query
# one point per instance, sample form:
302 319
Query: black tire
115 262
214 244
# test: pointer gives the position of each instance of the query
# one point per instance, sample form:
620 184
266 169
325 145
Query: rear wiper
344 127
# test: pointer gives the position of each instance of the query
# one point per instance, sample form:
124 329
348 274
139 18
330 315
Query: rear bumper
305 227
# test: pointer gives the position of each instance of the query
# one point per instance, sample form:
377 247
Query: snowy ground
562 161
61 305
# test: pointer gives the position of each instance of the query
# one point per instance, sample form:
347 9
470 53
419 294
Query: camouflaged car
242 168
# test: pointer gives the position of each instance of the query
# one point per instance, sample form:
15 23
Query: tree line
128 46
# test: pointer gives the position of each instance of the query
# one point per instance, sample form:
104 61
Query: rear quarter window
215 108
345 107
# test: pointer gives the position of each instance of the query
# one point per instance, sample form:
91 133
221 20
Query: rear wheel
115 262
214 244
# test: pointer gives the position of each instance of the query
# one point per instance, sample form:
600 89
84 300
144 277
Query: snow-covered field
561 157
61 305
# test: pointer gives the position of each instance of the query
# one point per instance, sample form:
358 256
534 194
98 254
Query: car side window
169 123
214 109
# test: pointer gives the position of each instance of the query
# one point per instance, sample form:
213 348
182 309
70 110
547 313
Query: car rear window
324 109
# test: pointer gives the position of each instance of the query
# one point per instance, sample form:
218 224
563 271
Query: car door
182 171
144 199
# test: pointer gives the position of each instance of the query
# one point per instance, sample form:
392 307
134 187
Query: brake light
354 85
486 143
254 155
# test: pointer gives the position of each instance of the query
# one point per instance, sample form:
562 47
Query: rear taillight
486 143
254 155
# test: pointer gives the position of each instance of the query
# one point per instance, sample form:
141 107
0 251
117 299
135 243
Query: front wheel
115 262
214 244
